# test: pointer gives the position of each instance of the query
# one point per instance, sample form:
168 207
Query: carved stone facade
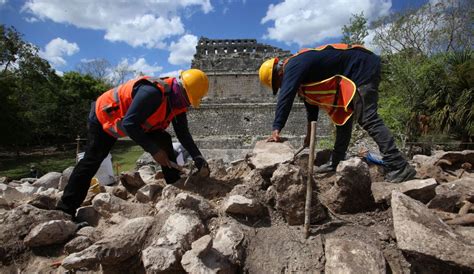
232 67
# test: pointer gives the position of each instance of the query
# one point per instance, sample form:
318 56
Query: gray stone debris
106 204
238 204
49 180
27 189
352 256
267 155
123 242
51 232
202 258
421 189
196 203
92 233
228 240
132 181
450 196
147 173
419 231
13 196
77 244
290 188
43 201
148 193
351 191
64 179
17 223
176 237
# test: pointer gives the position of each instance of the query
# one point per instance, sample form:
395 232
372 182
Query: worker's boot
403 174
327 167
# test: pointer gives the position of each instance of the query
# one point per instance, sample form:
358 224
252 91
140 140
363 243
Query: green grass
124 155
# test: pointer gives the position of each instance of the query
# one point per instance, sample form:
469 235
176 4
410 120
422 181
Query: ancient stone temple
232 66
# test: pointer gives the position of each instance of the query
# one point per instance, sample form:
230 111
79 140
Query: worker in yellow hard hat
141 109
342 80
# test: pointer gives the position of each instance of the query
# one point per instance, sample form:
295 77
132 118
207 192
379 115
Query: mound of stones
247 216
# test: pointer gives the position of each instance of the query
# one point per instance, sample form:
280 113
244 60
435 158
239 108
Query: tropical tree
356 31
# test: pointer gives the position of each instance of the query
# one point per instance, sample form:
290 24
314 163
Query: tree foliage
38 106
356 31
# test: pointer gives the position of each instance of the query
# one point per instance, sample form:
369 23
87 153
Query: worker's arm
146 100
180 125
295 71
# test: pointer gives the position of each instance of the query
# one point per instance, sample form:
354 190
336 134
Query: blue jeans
365 112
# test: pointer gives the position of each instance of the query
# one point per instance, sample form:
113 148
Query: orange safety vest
333 94
112 106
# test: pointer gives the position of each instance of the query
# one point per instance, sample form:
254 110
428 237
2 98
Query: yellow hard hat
196 84
265 73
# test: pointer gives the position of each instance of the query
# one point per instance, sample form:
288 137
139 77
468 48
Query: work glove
202 166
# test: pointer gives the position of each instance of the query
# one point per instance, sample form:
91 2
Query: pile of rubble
247 217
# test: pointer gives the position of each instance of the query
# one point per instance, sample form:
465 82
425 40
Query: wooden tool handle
309 185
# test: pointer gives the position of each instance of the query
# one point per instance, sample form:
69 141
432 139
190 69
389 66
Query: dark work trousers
99 145
365 113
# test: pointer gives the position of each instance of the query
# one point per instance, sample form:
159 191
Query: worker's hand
162 158
202 166
275 137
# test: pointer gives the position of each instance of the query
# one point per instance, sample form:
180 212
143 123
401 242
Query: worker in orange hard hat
342 80
142 109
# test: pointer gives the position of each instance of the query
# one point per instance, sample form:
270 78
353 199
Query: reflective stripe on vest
333 95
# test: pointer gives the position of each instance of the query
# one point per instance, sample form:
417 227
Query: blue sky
158 37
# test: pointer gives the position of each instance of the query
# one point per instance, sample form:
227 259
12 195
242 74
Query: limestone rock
77 244
52 232
13 196
49 180
27 189
176 237
169 192
64 179
43 201
267 155
195 203
352 256
132 181
147 174
419 231
121 192
351 192
126 241
421 189
238 204
107 204
229 242
450 196
202 258
290 187
92 233
17 223
148 193
217 168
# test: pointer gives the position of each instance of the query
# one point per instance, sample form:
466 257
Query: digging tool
309 186
298 151
190 173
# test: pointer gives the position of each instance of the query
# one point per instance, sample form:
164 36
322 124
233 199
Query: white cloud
56 49
140 66
182 52
31 19
139 23
3 2
306 22
174 73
